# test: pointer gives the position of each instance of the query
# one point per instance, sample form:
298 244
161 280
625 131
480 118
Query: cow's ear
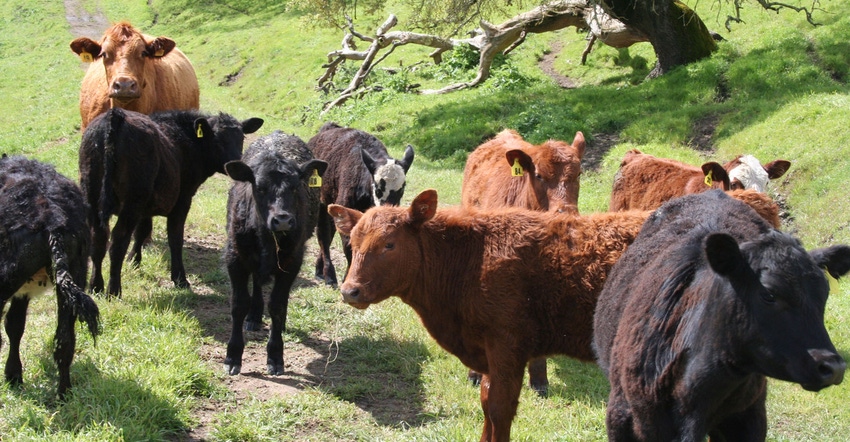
723 254
524 160
408 158
252 125
159 47
579 144
776 168
714 172
344 218
371 164
313 165
834 259
239 171
202 128
86 48
424 207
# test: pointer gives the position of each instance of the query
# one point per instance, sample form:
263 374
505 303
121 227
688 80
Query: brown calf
549 174
495 288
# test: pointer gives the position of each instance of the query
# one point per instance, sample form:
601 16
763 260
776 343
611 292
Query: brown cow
547 180
550 174
134 71
644 182
495 288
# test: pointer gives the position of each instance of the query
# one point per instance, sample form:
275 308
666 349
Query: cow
644 182
44 242
361 174
546 175
706 303
547 179
272 209
495 288
137 166
134 71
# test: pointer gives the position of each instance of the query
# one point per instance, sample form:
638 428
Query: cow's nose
831 366
350 294
282 222
125 87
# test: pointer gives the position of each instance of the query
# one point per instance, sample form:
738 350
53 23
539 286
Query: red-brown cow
550 174
495 288
644 182
134 71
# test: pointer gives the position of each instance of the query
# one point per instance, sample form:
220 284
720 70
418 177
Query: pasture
776 88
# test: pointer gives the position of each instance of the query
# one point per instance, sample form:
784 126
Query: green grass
777 88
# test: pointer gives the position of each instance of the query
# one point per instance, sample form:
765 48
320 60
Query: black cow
360 175
271 213
137 166
44 241
707 302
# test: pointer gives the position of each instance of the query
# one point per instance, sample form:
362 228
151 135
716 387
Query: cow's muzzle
124 89
281 222
830 367
351 296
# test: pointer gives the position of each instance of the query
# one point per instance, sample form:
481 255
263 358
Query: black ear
202 128
252 125
370 162
239 171
834 259
723 254
408 158
308 168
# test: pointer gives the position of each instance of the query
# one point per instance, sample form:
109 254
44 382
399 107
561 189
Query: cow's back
172 85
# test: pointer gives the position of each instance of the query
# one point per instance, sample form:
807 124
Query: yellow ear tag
200 133
315 180
833 283
86 57
159 53
516 169
709 178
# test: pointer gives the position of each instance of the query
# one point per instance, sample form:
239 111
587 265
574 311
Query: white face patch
750 173
388 180
36 285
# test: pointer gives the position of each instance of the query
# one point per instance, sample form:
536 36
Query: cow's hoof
275 369
542 390
232 370
181 284
474 377
253 325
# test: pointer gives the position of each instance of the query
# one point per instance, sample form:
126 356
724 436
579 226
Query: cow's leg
16 319
537 377
65 342
254 320
239 304
278 306
121 235
618 418
99 240
503 383
176 223
140 237
325 230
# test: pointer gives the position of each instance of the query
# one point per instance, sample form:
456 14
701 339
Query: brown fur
495 288
165 80
550 181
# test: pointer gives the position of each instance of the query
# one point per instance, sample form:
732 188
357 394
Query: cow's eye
768 297
538 176
389 246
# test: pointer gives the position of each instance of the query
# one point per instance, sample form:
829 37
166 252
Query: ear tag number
709 178
315 180
833 283
159 53
516 169
200 132
86 57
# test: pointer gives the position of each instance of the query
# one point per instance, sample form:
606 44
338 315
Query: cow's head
278 187
781 294
384 247
125 53
746 172
223 136
552 171
388 179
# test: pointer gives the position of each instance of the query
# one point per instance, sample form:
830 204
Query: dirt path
547 65
84 23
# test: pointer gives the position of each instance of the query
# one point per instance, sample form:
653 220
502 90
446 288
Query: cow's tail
82 305
107 193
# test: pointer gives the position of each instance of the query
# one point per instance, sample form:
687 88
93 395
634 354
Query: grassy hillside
776 88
